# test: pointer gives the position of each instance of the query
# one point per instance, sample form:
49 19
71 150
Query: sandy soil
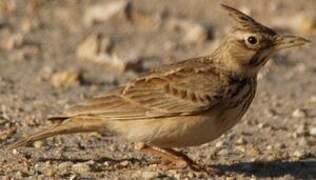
57 53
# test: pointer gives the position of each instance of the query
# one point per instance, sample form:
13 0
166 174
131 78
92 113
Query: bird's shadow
301 169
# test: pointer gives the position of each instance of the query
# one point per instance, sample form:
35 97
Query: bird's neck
222 59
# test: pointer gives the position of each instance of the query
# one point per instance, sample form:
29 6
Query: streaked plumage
183 104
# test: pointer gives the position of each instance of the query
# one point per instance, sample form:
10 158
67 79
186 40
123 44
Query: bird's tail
65 126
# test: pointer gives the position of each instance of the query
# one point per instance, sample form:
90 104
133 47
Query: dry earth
56 53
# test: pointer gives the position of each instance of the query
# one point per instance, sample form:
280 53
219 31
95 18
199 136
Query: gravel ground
56 53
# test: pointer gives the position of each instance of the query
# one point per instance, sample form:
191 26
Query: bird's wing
180 90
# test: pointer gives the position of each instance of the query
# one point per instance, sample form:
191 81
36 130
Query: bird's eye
252 40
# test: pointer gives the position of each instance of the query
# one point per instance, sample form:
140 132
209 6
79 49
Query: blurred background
55 53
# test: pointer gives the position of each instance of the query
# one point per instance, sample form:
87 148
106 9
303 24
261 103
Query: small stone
49 170
302 130
254 152
269 148
304 24
241 141
299 154
241 148
219 144
299 113
262 125
230 178
313 99
38 144
104 12
193 32
15 151
81 168
124 163
222 152
93 45
149 174
312 131
299 22
12 41
107 163
95 49
6 133
65 78
65 166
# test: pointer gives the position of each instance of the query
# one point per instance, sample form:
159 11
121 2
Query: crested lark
183 104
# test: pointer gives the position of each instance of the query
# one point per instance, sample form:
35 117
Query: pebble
241 141
6 133
93 45
150 174
95 49
48 169
124 163
304 24
312 131
65 78
299 113
12 41
313 99
38 144
302 130
104 12
299 154
65 166
262 125
81 168
193 32
299 22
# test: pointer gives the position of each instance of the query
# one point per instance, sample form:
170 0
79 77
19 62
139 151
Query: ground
54 54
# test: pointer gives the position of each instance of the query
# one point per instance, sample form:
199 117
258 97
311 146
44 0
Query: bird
187 103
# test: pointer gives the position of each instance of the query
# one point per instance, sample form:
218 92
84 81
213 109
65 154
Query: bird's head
250 44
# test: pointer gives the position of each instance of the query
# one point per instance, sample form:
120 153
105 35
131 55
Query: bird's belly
177 132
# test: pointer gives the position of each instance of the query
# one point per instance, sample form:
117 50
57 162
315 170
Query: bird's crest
244 22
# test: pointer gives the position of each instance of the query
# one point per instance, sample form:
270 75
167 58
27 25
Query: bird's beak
288 41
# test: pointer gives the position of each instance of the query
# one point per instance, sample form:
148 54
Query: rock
313 99
299 154
301 130
299 22
38 144
253 152
29 24
124 163
262 125
95 48
81 168
241 141
113 62
104 12
299 113
149 174
48 169
194 33
312 131
12 41
94 45
6 133
65 78
65 166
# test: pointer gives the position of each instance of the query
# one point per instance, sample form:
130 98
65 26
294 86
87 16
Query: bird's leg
179 159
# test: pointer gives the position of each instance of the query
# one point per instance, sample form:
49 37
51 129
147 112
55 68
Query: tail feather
69 126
